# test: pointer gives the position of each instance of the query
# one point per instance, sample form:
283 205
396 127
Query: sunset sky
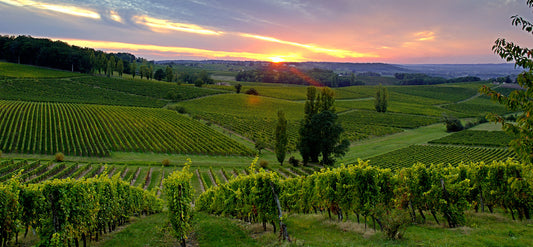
390 31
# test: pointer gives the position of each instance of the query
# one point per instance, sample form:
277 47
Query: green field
26 71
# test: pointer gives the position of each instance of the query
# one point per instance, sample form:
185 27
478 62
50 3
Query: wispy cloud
160 25
69 10
340 53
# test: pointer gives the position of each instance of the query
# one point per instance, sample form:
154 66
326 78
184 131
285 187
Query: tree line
276 73
60 55
423 79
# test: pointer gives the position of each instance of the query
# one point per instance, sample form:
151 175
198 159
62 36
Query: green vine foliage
179 192
247 197
444 191
64 212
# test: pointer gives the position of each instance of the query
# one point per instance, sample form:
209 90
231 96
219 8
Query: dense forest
60 55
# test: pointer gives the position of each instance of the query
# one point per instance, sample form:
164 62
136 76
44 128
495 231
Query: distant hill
483 71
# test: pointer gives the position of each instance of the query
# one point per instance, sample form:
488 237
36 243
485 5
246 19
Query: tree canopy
518 100
320 132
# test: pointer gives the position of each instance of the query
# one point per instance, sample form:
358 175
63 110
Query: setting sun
277 59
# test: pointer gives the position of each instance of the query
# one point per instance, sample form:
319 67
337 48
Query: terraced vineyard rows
68 91
154 89
436 154
476 138
92 130
39 171
479 106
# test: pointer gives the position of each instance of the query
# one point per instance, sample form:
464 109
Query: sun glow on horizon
277 59
184 51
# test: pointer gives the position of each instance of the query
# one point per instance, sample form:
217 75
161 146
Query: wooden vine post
284 235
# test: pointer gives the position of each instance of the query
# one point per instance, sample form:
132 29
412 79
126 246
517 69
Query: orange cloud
425 36
69 10
119 46
115 16
160 25
313 48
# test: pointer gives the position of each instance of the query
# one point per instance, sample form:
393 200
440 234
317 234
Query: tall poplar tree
281 137
382 99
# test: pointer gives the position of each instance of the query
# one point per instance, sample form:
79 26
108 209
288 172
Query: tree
381 100
159 74
198 83
319 130
101 63
327 132
169 75
133 69
205 77
120 67
453 124
518 100
281 137
238 88
109 68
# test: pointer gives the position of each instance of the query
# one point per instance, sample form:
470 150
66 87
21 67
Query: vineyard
376 195
437 154
65 212
93 130
479 106
476 138
68 91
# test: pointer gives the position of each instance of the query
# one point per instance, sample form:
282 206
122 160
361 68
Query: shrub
394 223
59 157
453 124
181 109
165 162
293 161
252 91
263 164
238 88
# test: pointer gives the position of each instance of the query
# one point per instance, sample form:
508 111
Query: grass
150 230
372 147
482 229
220 231
28 71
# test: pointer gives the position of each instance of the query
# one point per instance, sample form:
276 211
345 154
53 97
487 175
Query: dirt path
123 175
89 168
135 176
148 179
223 176
161 184
293 172
282 173
211 176
200 180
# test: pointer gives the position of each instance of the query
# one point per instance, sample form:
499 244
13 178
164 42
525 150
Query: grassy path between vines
481 229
